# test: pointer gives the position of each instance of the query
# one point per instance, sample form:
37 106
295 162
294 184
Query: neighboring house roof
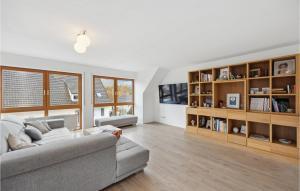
101 93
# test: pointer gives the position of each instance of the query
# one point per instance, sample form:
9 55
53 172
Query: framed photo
284 67
224 73
233 101
255 72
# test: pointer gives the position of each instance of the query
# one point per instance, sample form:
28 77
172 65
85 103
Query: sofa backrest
59 121
12 125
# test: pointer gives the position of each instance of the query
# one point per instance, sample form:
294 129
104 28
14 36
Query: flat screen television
173 94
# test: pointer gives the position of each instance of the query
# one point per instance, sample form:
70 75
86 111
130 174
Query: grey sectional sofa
66 162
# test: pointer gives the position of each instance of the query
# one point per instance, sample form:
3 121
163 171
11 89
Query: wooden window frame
46 95
115 103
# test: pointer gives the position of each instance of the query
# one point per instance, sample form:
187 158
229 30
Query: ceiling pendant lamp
82 42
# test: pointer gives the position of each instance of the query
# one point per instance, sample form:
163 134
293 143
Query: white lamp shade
80 48
84 40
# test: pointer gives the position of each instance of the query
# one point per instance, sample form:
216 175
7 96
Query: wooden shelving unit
268 109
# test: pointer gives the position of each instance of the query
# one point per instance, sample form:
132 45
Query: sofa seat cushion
55 135
130 156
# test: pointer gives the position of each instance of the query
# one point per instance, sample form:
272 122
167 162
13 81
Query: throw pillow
16 143
33 132
39 125
45 123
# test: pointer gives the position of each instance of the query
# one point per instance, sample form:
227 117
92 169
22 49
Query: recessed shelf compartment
206 75
221 73
238 71
284 85
192 123
221 90
204 122
194 77
259 69
219 125
238 137
259 131
284 104
284 134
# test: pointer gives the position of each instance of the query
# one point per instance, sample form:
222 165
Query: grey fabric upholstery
54 136
50 154
62 161
69 121
117 121
7 127
56 123
131 158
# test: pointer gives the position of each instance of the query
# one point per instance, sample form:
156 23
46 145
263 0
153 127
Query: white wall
8 59
175 114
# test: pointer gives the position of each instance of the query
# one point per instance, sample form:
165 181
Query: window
24 91
104 91
125 91
63 89
113 96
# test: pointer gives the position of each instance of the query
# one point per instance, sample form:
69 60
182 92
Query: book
260 104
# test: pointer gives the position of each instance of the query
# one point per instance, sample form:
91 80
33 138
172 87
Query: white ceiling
141 34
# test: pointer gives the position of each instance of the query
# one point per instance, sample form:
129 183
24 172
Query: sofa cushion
13 128
130 156
39 125
16 142
55 135
34 133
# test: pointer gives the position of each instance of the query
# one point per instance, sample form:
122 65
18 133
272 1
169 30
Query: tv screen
173 94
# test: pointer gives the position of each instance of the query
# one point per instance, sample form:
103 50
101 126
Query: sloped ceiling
141 34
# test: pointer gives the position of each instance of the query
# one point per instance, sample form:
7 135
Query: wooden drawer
205 111
238 115
259 117
285 150
220 113
266 146
285 120
191 129
219 136
237 139
191 110
204 132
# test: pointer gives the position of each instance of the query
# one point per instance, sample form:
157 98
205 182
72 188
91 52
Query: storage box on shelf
268 105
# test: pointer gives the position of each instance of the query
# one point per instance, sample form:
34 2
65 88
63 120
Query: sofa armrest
55 123
26 160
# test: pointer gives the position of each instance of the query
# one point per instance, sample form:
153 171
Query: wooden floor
180 161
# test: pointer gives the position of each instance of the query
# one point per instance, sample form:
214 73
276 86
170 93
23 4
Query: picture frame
256 72
233 100
284 67
224 73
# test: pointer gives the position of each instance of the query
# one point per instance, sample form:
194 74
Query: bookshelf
257 103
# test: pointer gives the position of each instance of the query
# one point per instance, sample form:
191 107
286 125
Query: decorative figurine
193 122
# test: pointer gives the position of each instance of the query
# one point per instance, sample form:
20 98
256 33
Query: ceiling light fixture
82 42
